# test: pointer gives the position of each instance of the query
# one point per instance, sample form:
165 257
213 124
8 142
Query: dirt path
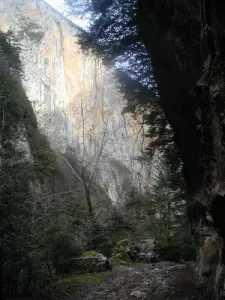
160 281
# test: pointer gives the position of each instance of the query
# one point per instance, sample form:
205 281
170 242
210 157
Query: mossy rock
89 253
92 261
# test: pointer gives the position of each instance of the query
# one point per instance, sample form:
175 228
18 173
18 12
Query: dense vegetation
40 230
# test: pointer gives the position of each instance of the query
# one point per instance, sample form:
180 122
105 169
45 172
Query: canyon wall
75 97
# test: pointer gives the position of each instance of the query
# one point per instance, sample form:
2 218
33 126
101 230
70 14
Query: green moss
89 253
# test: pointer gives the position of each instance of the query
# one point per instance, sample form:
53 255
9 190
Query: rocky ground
159 281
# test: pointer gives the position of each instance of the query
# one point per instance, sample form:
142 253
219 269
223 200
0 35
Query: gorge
79 162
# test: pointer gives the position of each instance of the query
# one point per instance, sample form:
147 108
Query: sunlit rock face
75 97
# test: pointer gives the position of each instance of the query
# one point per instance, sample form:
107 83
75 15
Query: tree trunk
88 198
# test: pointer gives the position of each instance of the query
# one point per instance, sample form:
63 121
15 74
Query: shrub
120 253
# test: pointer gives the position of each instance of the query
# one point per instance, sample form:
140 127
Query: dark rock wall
186 42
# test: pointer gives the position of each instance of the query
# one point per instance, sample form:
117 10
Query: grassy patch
68 285
85 279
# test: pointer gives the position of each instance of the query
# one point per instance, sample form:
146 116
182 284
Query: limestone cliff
75 98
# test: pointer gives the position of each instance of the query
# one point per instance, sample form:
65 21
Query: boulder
93 262
147 257
148 245
144 251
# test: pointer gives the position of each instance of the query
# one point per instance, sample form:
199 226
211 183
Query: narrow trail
160 281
